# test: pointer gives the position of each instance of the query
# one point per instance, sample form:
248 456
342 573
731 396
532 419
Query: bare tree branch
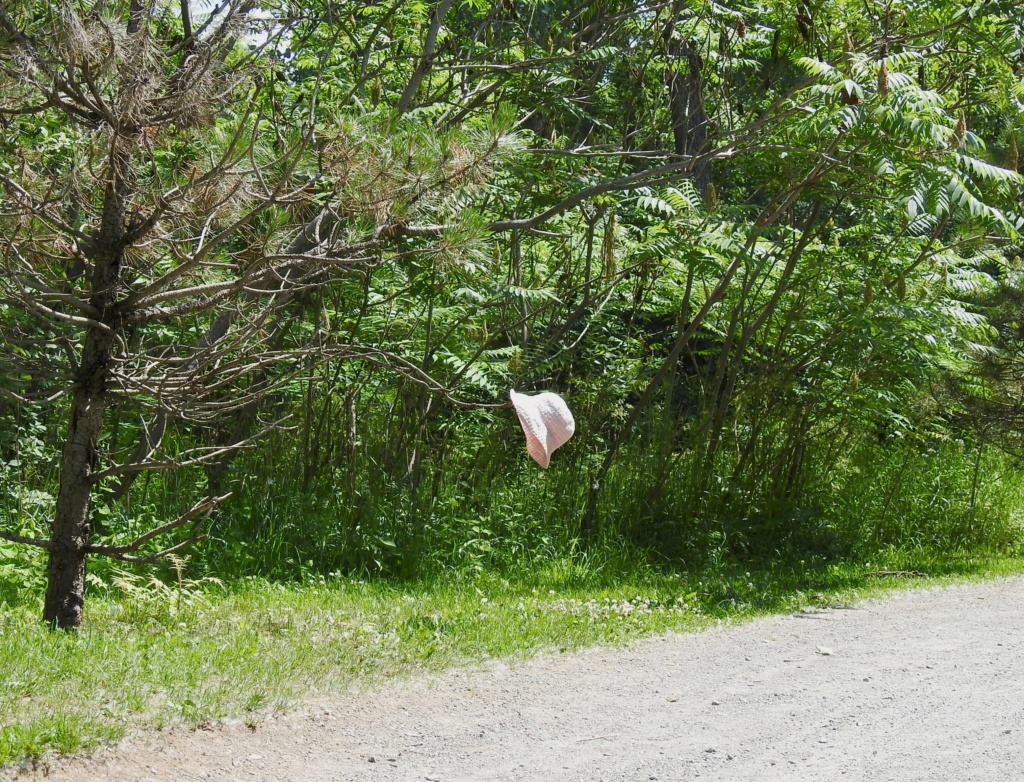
202 507
147 560
45 544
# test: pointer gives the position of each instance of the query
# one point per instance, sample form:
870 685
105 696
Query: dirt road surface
925 685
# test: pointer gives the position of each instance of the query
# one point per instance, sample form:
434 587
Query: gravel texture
925 685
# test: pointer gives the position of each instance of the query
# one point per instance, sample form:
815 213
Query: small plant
151 598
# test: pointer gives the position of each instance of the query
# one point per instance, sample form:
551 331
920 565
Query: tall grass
489 508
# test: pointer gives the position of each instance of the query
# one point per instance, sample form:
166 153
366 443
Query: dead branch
202 507
205 455
148 560
46 544
27 400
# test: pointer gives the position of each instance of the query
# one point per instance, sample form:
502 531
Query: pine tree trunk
65 591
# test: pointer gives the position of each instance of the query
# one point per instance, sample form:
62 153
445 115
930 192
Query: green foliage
769 253
842 248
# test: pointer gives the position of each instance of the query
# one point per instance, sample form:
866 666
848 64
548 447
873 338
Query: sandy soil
927 685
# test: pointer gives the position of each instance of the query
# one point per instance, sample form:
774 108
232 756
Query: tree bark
686 101
65 590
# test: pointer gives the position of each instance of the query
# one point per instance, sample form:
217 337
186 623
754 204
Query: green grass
152 656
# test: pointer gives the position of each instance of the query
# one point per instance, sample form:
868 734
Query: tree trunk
686 101
65 590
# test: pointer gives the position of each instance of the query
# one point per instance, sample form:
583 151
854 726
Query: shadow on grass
211 651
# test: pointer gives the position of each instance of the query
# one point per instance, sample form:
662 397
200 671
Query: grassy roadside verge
152 656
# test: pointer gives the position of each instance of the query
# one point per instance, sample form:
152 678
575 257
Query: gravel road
925 685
